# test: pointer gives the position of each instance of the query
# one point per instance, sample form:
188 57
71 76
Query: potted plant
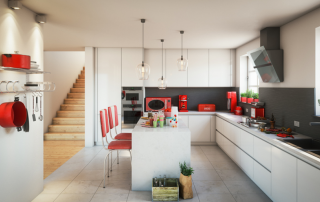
255 97
185 185
243 97
249 96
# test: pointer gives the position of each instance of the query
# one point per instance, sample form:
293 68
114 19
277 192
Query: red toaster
206 107
16 61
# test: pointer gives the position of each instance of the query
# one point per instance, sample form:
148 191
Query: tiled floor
216 179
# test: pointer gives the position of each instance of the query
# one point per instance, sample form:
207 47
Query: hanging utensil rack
43 86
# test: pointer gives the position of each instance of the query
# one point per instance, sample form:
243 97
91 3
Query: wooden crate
168 193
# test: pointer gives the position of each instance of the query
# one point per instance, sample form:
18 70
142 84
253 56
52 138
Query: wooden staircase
69 123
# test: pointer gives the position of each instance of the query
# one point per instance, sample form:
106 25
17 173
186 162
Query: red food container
16 61
238 111
206 107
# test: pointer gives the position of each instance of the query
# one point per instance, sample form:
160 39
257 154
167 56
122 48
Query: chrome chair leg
111 162
104 170
118 157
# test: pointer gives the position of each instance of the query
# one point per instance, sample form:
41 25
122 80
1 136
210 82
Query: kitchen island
158 151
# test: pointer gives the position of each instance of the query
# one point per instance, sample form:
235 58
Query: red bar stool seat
119 145
123 136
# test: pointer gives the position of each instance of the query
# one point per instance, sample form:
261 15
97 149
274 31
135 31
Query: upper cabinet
175 78
198 68
220 68
131 57
153 57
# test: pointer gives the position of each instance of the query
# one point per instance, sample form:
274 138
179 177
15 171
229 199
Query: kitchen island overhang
158 151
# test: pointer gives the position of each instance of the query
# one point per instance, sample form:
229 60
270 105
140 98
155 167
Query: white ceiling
74 24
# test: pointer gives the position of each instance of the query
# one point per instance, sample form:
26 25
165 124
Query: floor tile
252 197
72 166
119 175
233 175
140 196
224 165
45 197
81 158
196 150
55 187
198 158
109 197
205 175
218 157
90 175
82 187
115 187
212 150
74 198
211 187
213 197
200 165
242 187
61 175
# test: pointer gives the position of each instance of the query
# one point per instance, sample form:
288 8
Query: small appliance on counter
232 100
256 112
206 107
183 99
238 110
158 103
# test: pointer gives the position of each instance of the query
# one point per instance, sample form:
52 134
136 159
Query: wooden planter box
168 193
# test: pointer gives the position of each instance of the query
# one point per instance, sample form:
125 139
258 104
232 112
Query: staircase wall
65 66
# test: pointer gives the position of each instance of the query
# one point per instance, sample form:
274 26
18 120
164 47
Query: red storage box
16 61
206 107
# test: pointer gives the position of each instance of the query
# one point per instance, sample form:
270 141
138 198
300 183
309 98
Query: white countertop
182 128
190 112
273 139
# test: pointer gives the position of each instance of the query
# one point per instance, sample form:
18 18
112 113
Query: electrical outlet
296 123
247 110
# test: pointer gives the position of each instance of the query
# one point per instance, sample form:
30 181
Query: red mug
12 114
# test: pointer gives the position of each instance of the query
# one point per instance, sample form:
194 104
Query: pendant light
143 69
182 62
162 82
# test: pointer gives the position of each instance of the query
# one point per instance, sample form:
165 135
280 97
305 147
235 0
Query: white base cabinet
200 128
308 183
262 177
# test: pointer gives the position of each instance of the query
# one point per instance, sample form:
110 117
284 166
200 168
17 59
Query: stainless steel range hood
268 59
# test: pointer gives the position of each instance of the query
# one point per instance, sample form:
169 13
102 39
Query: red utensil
12 114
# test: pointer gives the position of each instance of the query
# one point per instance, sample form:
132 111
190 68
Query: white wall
297 39
21 154
65 66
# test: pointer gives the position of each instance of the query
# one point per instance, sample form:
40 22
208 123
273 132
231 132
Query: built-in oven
132 106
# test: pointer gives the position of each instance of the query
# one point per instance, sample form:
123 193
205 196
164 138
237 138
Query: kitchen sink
305 144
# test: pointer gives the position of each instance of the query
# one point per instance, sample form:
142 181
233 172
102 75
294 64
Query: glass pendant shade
162 83
143 71
182 64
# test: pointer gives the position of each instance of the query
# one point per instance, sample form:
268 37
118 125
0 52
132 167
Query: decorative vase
243 99
249 100
185 186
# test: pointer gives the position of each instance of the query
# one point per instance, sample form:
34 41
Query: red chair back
116 116
110 118
103 126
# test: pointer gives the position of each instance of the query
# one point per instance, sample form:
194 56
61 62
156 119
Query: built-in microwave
132 106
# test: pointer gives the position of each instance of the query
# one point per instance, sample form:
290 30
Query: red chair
113 145
118 136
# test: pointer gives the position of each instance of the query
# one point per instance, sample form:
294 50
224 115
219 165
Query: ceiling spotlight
14 4
41 18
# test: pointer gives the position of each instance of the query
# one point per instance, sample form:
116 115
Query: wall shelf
27 71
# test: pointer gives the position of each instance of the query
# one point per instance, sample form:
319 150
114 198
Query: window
253 79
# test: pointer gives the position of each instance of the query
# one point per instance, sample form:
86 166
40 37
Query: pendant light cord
181 45
162 58
142 44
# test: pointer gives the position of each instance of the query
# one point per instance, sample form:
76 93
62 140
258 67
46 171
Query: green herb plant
243 94
185 170
249 93
255 95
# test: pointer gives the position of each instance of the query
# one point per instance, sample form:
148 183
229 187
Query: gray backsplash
289 105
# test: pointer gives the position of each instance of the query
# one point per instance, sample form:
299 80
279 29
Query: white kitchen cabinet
262 177
247 142
213 129
237 135
198 68
308 182
262 152
154 58
200 128
108 82
131 58
246 164
220 125
175 78
237 155
185 119
284 176
220 67
219 139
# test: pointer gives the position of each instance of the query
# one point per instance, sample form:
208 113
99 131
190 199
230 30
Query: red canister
12 114
238 110
16 61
